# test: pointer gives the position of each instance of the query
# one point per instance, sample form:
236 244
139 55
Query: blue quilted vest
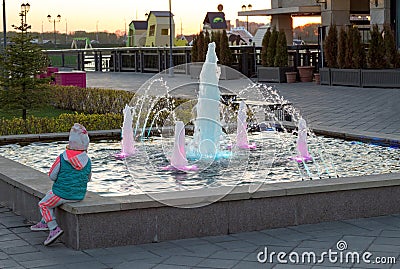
71 184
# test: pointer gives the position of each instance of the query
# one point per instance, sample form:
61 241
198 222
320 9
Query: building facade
158 29
337 12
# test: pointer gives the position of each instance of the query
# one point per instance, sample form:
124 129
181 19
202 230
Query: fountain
178 158
128 142
302 148
207 126
241 134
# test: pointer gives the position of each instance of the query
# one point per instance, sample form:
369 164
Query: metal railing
246 59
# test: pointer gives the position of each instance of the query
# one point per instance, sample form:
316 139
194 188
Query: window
164 32
152 30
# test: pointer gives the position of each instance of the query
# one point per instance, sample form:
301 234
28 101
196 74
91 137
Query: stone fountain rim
37 184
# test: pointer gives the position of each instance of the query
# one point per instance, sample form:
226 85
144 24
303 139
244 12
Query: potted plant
197 55
306 73
274 58
225 58
383 60
350 58
331 54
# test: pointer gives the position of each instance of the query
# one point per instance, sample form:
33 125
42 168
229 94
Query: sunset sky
112 15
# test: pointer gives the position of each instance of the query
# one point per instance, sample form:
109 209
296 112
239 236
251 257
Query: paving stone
387 241
29 256
40 263
111 259
358 243
8 237
13 243
87 265
217 263
390 233
7 263
168 266
183 260
95 252
139 255
229 255
203 250
3 256
4 231
252 265
20 250
135 264
235 245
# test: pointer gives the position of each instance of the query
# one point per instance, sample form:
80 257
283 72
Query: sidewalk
21 248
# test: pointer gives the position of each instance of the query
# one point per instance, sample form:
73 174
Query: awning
294 11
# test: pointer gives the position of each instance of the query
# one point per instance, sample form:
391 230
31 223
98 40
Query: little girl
70 172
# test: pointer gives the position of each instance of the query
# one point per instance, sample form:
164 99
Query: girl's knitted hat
78 138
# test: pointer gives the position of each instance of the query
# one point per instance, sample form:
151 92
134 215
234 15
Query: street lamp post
57 19
244 8
4 25
24 25
171 60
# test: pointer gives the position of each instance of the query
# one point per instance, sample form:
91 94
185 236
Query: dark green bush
63 123
376 52
281 55
90 100
331 47
265 41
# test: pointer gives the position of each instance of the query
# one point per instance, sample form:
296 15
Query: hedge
62 123
90 100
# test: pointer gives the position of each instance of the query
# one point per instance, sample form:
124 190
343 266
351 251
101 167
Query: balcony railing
246 59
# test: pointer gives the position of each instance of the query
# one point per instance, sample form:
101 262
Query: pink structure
51 70
76 78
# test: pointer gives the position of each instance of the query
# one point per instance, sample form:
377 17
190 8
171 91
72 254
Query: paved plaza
345 108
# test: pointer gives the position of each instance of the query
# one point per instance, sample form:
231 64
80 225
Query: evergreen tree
331 47
194 52
376 52
207 40
200 48
271 51
216 37
281 56
391 57
264 49
349 52
224 50
21 62
358 58
342 47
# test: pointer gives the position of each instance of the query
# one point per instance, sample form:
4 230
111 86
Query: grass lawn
45 112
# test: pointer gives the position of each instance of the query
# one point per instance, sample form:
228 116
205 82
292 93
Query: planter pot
346 77
306 73
273 74
325 76
195 69
317 78
228 73
385 78
291 77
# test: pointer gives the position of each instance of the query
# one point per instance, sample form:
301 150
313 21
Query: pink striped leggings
47 206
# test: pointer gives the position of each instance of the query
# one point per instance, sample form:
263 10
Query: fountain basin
135 219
